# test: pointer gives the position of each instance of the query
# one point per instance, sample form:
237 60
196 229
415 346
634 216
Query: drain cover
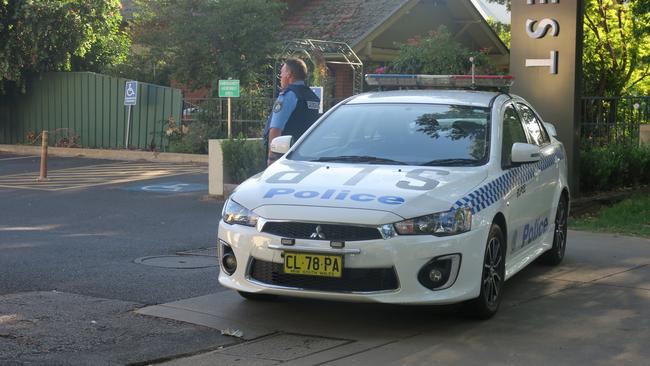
179 261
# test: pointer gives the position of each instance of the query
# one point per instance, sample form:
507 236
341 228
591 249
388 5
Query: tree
57 35
438 53
199 41
502 30
616 58
616 48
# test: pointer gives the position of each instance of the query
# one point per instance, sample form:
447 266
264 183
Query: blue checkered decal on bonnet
493 191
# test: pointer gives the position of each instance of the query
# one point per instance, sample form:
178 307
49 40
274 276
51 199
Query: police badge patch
277 107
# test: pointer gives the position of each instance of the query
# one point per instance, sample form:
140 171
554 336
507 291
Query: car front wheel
492 278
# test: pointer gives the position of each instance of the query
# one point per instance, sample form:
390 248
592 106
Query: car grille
352 280
303 230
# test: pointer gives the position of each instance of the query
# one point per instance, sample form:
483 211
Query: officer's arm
282 110
273 133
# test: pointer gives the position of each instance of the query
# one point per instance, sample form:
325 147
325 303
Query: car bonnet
406 191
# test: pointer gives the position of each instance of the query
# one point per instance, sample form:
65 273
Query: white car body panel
374 195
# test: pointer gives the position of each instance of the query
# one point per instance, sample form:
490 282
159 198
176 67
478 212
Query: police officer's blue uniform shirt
282 109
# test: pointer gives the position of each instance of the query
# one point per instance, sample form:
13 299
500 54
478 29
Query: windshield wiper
451 162
359 159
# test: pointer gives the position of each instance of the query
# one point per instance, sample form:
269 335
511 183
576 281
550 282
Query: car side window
534 126
513 132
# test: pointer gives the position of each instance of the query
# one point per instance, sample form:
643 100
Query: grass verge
630 216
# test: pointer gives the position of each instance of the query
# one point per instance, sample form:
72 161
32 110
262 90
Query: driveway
593 309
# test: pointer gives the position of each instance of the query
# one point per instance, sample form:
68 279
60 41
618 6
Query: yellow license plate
313 264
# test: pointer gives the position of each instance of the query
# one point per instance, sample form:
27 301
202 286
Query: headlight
454 221
234 213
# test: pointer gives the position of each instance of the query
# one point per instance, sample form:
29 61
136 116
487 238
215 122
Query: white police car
413 196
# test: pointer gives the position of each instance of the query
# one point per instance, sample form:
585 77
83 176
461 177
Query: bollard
43 175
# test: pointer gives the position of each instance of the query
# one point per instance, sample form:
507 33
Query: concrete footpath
593 309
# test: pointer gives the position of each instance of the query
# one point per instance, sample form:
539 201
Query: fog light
440 272
435 275
229 263
228 260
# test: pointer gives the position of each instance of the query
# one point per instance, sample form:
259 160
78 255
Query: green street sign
229 88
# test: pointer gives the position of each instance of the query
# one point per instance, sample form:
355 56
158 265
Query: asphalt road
74 291
85 240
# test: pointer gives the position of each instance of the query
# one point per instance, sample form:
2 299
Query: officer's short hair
298 68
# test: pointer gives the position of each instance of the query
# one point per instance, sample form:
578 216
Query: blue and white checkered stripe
495 190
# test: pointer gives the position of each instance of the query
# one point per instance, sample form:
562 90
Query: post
128 126
45 138
229 120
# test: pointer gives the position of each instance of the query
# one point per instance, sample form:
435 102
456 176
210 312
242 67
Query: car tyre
257 297
492 278
554 256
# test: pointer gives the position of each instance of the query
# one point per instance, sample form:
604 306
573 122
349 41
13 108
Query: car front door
522 200
547 170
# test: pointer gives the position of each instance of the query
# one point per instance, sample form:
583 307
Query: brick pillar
342 81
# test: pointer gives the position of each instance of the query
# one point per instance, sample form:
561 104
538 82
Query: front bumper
405 255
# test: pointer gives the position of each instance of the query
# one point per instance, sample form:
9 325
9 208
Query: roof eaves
387 21
503 49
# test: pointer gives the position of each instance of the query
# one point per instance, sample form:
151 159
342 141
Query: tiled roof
338 20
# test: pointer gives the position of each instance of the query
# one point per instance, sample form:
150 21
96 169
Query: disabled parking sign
130 92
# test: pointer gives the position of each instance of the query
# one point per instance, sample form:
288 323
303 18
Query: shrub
242 158
613 166
439 53
193 138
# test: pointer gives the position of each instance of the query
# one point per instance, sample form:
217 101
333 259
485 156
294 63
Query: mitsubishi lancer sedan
405 197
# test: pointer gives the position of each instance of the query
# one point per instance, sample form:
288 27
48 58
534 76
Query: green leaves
616 47
199 41
438 53
58 35
242 158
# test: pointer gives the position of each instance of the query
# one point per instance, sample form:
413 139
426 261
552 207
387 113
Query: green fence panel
88 109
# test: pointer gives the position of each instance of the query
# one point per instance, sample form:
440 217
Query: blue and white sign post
130 99
318 90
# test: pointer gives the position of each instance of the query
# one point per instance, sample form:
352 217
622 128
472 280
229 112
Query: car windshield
401 134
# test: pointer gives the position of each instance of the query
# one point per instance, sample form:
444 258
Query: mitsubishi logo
318 234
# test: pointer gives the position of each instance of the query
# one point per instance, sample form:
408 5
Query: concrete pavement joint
583 283
167 306
617 273
180 356
345 341
368 349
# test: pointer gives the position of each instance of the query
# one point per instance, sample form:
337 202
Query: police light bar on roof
440 81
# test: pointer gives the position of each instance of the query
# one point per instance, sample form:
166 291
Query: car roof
438 96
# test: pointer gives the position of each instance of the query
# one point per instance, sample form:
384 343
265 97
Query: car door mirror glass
525 153
550 128
281 144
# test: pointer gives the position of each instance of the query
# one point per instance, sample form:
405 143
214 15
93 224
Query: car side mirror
550 129
525 153
281 144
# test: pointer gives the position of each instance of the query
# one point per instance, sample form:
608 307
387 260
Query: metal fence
84 109
249 114
613 120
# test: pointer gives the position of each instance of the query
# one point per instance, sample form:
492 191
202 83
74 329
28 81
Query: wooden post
43 175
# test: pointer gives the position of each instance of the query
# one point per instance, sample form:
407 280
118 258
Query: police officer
296 108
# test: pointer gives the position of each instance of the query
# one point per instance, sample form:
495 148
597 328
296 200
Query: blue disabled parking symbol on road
168 187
